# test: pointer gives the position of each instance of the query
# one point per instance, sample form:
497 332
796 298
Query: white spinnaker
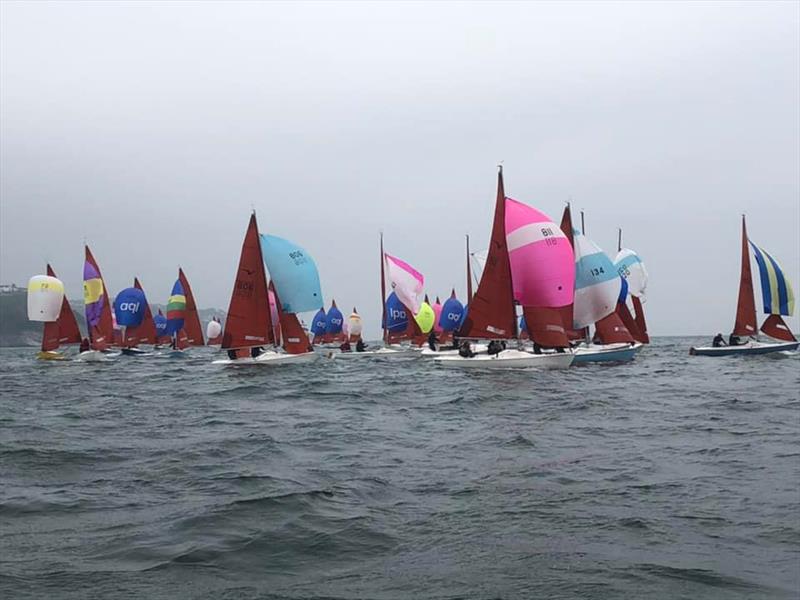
213 329
353 324
597 284
405 281
45 296
631 268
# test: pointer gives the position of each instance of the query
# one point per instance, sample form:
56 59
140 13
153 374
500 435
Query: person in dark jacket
495 347
360 345
85 345
718 341
465 351
433 341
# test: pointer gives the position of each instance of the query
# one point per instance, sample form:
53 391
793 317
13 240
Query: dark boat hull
745 349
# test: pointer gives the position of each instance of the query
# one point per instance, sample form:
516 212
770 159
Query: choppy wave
671 477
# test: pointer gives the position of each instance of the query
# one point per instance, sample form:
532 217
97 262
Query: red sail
566 311
248 323
610 330
746 324
545 327
145 332
103 334
641 325
469 275
182 340
191 319
775 327
295 339
64 330
627 319
491 313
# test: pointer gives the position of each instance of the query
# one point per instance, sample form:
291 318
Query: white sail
631 268
213 329
45 296
353 325
597 284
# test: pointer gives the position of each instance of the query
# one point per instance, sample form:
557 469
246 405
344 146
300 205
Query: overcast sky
151 129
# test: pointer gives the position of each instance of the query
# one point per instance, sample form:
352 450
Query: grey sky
151 130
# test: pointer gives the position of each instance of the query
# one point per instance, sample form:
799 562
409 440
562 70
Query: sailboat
98 311
354 327
296 289
334 326
47 303
529 261
248 324
183 318
598 290
398 322
318 324
129 308
778 300
214 332
162 337
145 332
634 274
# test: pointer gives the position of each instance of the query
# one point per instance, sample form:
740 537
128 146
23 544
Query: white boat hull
476 348
365 354
507 359
95 356
271 359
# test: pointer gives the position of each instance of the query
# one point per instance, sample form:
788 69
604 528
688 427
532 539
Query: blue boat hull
602 355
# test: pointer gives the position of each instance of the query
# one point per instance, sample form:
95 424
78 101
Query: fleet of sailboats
547 297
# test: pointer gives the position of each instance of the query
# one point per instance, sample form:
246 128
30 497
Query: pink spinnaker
437 311
542 261
405 280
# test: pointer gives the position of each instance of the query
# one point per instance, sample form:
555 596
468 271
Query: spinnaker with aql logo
145 331
129 310
399 307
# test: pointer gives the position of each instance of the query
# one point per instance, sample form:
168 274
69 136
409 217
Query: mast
583 225
492 313
745 324
619 240
469 274
249 322
383 292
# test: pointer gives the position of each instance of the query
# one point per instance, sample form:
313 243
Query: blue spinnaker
396 314
161 325
319 323
294 274
452 314
334 321
129 307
